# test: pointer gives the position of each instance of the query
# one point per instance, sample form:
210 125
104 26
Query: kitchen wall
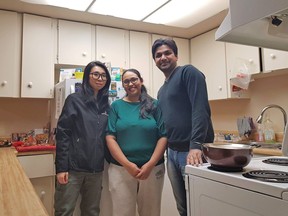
264 91
22 115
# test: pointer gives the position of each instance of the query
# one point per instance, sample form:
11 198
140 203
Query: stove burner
277 161
225 169
268 176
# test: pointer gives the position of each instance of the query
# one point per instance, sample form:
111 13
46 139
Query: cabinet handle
272 55
84 54
220 88
4 83
103 56
30 84
42 194
250 61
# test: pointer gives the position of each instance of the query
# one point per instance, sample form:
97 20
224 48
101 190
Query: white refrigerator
62 90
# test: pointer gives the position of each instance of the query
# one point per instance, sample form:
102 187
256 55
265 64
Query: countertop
267 151
17 195
263 151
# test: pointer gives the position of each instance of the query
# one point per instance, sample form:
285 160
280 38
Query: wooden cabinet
37 57
220 62
140 56
242 59
112 45
183 51
209 57
10 55
40 171
158 77
76 43
274 59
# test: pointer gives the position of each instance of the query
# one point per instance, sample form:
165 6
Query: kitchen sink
275 145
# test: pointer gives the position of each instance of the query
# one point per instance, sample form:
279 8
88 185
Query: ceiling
203 24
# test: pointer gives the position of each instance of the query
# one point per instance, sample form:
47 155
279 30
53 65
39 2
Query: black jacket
80 136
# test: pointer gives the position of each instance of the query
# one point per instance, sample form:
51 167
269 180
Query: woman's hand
145 171
132 169
62 177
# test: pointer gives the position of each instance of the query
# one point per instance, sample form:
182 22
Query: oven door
206 197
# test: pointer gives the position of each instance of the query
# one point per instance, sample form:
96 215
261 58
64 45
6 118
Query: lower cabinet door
45 188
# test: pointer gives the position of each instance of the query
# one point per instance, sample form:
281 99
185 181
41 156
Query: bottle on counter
268 130
260 134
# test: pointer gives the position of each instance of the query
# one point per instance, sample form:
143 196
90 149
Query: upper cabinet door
37 57
10 55
242 59
76 43
274 59
158 77
183 51
112 45
140 55
208 56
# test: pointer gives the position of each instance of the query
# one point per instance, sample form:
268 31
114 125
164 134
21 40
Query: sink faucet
285 137
260 117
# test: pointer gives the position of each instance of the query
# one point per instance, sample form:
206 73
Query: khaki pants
90 187
128 192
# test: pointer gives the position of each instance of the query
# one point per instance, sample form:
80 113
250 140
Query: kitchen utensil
227 156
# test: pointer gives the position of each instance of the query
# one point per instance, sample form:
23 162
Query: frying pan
232 155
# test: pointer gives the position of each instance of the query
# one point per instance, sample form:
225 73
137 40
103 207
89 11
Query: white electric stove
218 193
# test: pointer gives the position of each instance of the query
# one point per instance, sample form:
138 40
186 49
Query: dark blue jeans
176 162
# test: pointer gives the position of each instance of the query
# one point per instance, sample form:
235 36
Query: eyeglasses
96 76
133 80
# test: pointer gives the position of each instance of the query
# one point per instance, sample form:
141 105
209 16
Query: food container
228 156
79 75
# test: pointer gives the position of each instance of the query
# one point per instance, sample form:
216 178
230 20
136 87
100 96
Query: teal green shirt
137 137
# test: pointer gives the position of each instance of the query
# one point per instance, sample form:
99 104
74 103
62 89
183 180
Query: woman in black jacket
80 143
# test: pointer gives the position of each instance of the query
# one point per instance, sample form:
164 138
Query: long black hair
146 101
87 90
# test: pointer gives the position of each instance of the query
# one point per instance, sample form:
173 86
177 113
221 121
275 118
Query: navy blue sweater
186 112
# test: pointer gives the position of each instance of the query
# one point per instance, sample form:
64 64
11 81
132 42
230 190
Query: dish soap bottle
269 134
260 135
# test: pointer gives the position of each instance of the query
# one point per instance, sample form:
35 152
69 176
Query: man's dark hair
164 41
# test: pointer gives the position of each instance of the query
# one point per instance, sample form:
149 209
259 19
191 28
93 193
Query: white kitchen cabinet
274 59
76 42
183 51
158 77
140 56
40 171
37 57
209 57
10 55
112 45
242 59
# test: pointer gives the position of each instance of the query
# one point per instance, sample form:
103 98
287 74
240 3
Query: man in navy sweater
186 112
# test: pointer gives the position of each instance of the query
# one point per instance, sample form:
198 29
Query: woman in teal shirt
137 141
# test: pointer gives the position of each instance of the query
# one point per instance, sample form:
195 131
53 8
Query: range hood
261 23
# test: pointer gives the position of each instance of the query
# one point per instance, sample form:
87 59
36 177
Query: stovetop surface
238 180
